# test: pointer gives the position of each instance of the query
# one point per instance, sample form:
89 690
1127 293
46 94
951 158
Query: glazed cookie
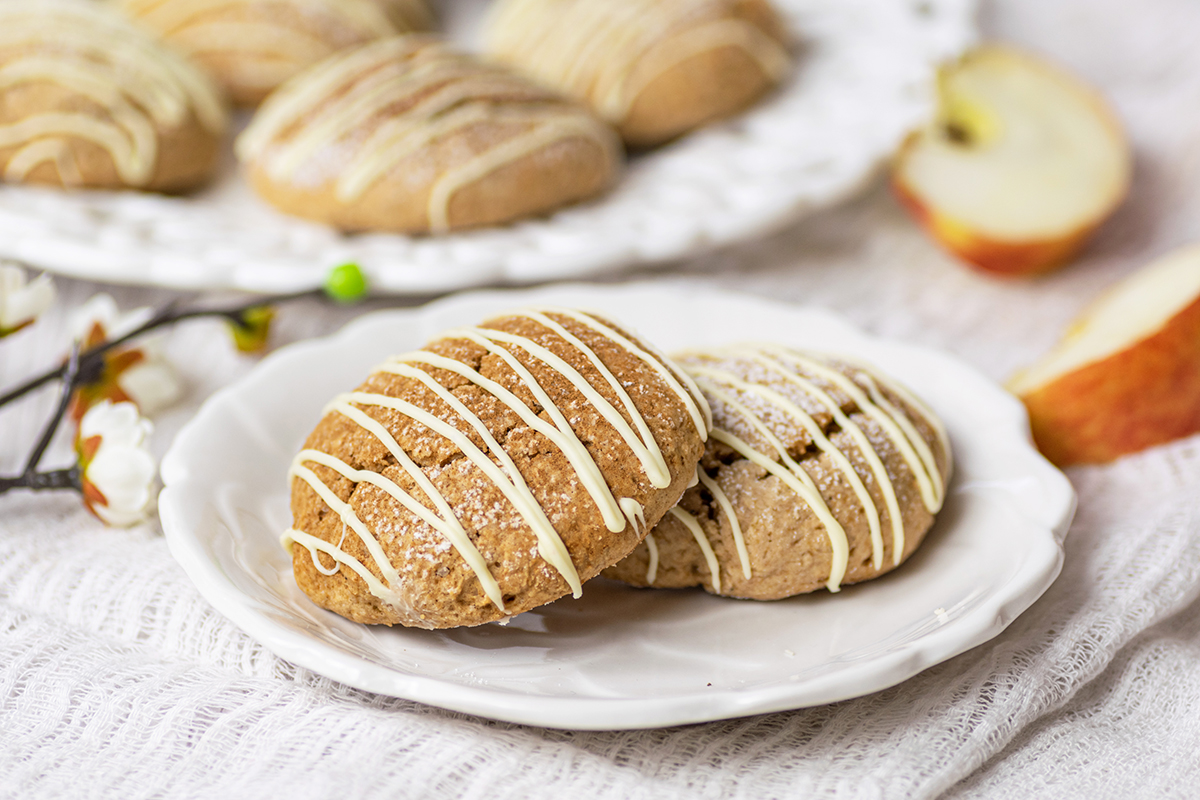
817 473
491 472
655 69
87 100
407 135
252 46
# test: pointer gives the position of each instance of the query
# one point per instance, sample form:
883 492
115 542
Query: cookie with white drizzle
818 472
252 46
493 471
405 134
88 100
655 69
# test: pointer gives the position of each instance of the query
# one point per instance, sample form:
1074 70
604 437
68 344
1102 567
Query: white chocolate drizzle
790 473
401 95
634 512
269 49
900 429
897 427
54 150
139 88
735 526
608 52
856 433
652 567
823 443
693 525
493 460
678 379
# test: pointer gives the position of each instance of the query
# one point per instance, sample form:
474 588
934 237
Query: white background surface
621 658
118 680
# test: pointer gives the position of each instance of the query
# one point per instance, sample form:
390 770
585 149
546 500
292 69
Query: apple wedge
1127 374
1020 166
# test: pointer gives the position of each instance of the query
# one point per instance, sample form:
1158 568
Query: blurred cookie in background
406 134
252 46
654 69
88 100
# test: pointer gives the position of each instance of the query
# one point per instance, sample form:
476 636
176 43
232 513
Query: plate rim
977 626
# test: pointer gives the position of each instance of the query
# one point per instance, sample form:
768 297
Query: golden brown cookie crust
471 145
790 550
705 88
436 585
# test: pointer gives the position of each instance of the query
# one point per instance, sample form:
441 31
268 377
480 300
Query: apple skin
1145 395
993 256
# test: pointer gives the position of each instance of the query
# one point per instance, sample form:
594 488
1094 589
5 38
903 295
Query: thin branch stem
68 478
64 399
30 385
167 315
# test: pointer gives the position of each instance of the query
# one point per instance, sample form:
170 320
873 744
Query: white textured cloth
118 680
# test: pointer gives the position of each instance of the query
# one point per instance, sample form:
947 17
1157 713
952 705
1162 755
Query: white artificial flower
152 384
21 301
102 310
118 470
150 381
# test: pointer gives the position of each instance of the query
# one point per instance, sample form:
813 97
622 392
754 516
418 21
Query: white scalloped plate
620 657
863 79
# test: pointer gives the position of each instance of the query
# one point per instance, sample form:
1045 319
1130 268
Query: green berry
346 283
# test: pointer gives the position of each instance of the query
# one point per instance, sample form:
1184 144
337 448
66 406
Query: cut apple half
1127 374
1021 164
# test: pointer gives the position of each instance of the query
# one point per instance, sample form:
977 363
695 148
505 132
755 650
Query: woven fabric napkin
118 679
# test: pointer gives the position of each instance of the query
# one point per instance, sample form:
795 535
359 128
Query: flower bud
117 469
21 300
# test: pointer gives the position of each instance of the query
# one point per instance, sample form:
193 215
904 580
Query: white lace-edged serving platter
863 78
619 657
